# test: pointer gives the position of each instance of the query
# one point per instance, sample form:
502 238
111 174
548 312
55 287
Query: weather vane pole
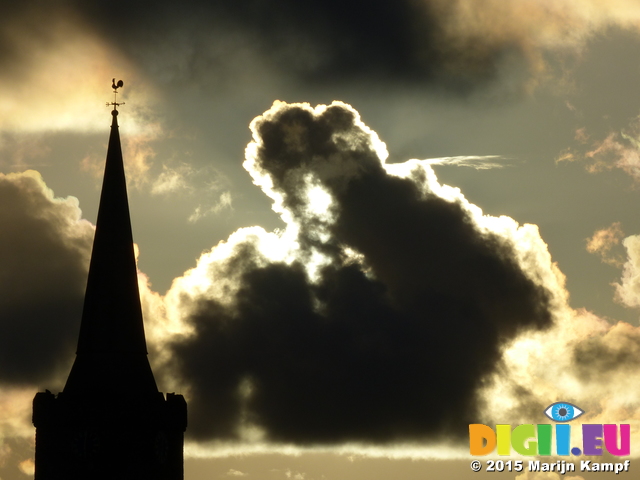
115 87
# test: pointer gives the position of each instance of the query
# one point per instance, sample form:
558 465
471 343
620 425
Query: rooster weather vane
115 87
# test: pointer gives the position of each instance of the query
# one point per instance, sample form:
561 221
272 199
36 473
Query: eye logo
563 412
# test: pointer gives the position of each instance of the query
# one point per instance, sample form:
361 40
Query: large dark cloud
44 252
316 41
454 45
389 343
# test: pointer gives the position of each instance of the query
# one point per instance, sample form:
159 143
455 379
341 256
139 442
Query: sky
360 226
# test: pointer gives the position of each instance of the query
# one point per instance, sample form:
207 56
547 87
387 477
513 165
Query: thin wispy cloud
486 162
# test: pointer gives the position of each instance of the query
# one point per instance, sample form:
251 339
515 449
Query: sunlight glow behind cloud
63 70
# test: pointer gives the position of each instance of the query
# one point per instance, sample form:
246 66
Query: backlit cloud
44 256
380 280
312 314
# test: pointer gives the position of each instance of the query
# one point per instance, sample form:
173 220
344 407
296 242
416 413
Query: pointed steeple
112 351
110 421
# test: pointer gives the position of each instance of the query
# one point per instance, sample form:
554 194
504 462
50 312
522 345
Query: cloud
618 150
173 180
44 259
454 45
603 241
628 290
224 203
295 475
615 151
599 359
28 466
44 255
236 473
15 456
341 327
582 359
139 154
207 184
15 416
484 162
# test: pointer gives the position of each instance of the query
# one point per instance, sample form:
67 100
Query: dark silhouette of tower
110 421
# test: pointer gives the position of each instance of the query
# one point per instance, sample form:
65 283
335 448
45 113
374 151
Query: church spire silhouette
112 350
110 421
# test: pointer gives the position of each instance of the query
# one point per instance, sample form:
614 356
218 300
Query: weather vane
115 87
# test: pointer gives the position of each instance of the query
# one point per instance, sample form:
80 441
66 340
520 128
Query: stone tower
110 421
